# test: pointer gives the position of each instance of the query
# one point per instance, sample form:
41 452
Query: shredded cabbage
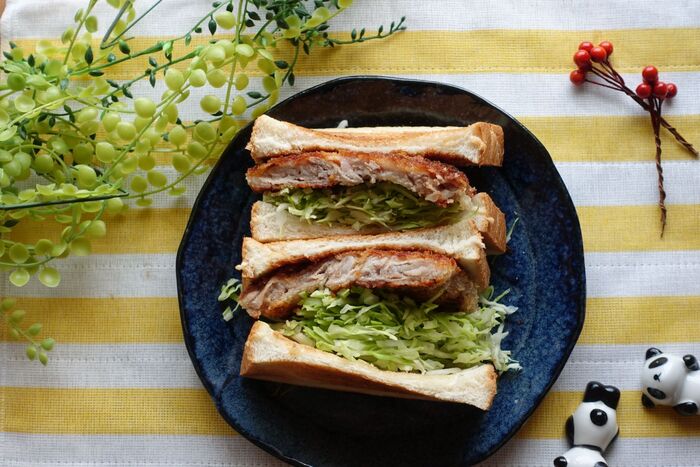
385 204
398 334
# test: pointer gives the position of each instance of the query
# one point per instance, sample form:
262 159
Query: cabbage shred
396 333
381 204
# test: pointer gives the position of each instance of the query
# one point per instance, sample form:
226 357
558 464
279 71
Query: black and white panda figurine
669 379
592 427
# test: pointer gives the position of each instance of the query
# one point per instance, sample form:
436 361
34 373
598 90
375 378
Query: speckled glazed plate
544 270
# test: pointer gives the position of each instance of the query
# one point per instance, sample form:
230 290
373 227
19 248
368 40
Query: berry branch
650 95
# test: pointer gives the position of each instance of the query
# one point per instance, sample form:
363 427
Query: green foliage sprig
36 349
74 143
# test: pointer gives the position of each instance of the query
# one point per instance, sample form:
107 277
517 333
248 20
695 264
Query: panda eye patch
598 417
658 362
656 393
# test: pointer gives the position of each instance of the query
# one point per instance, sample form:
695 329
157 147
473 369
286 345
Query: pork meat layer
418 274
439 183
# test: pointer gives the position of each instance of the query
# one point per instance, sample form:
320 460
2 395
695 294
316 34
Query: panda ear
570 429
652 352
691 362
646 402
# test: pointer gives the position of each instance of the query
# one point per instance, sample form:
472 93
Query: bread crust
267 224
460 241
268 355
478 144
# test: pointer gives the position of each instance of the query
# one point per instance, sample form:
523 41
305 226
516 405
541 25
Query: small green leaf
124 47
48 343
19 277
89 57
34 329
50 277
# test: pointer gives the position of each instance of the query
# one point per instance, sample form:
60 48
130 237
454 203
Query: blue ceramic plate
544 270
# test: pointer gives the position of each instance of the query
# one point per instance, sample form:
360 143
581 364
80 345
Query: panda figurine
669 379
592 427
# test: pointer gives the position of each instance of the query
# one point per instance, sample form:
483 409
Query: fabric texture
120 389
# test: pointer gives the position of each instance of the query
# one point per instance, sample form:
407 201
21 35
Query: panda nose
598 417
560 462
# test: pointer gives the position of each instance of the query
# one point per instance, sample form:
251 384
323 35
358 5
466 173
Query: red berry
660 90
598 54
671 90
607 45
582 58
577 77
650 74
585 45
644 90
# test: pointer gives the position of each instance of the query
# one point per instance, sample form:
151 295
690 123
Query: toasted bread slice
270 224
439 183
477 144
460 241
268 355
422 275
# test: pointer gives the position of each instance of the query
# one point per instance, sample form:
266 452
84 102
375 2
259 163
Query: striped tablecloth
120 389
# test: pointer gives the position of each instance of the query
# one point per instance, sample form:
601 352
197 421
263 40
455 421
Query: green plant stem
91 5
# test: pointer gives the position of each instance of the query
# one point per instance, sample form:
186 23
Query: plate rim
576 229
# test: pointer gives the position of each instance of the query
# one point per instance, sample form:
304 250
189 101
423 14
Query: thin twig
655 113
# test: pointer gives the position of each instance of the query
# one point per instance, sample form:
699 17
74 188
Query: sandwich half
376 321
477 144
269 355
325 193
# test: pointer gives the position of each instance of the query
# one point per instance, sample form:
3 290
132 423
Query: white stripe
588 183
630 183
645 274
624 452
622 364
168 366
153 275
21 449
175 17
101 366
105 276
169 450
548 94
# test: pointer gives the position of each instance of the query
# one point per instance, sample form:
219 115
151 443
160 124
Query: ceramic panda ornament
669 379
592 427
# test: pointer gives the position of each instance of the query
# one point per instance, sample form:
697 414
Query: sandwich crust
478 144
268 355
270 224
419 274
436 182
460 241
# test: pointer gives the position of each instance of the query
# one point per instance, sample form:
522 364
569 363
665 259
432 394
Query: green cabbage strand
398 334
382 204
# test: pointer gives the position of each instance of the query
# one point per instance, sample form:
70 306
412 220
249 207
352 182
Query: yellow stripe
157 320
190 411
637 228
609 228
641 320
105 320
111 411
635 421
137 231
610 139
538 51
